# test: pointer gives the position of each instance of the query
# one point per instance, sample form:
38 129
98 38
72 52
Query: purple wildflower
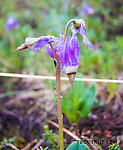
69 53
11 23
36 44
87 10
81 29
69 50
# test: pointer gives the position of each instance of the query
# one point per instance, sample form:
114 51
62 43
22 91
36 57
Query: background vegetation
33 98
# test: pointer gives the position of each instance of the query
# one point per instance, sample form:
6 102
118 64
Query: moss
20 142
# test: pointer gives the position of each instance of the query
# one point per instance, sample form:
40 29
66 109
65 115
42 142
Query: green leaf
70 104
88 100
77 146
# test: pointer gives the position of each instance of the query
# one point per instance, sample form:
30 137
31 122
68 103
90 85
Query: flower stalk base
59 105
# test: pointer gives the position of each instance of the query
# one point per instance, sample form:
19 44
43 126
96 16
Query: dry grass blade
53 78
9 145
38 144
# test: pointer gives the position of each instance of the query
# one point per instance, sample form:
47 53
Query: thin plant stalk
59 105
67 26
58 93
53 51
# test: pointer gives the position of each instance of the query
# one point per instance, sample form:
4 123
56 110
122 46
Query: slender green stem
58 93
59 106
67 26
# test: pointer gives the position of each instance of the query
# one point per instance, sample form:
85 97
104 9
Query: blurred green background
49 17
36 18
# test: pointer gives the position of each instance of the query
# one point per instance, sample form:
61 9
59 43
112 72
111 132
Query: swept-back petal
37 43
49 50
87 42
57 49
70 55
82 30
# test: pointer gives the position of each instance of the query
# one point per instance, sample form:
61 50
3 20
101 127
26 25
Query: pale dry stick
118 97
54 78
65 130
15 148
38 144
110 98
29 145
9 145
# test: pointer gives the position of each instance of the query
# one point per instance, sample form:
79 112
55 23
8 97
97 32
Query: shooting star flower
68 48
69 55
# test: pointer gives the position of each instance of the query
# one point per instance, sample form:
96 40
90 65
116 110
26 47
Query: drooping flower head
67 49
11 23
86 10
79 26
69 53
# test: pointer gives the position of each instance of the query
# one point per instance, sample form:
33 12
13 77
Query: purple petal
36 44
82 30
51 38
61 37
74 31
67 57
88 42
57 49
75 46
49 51
62 47
70 55
87 10
11 23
